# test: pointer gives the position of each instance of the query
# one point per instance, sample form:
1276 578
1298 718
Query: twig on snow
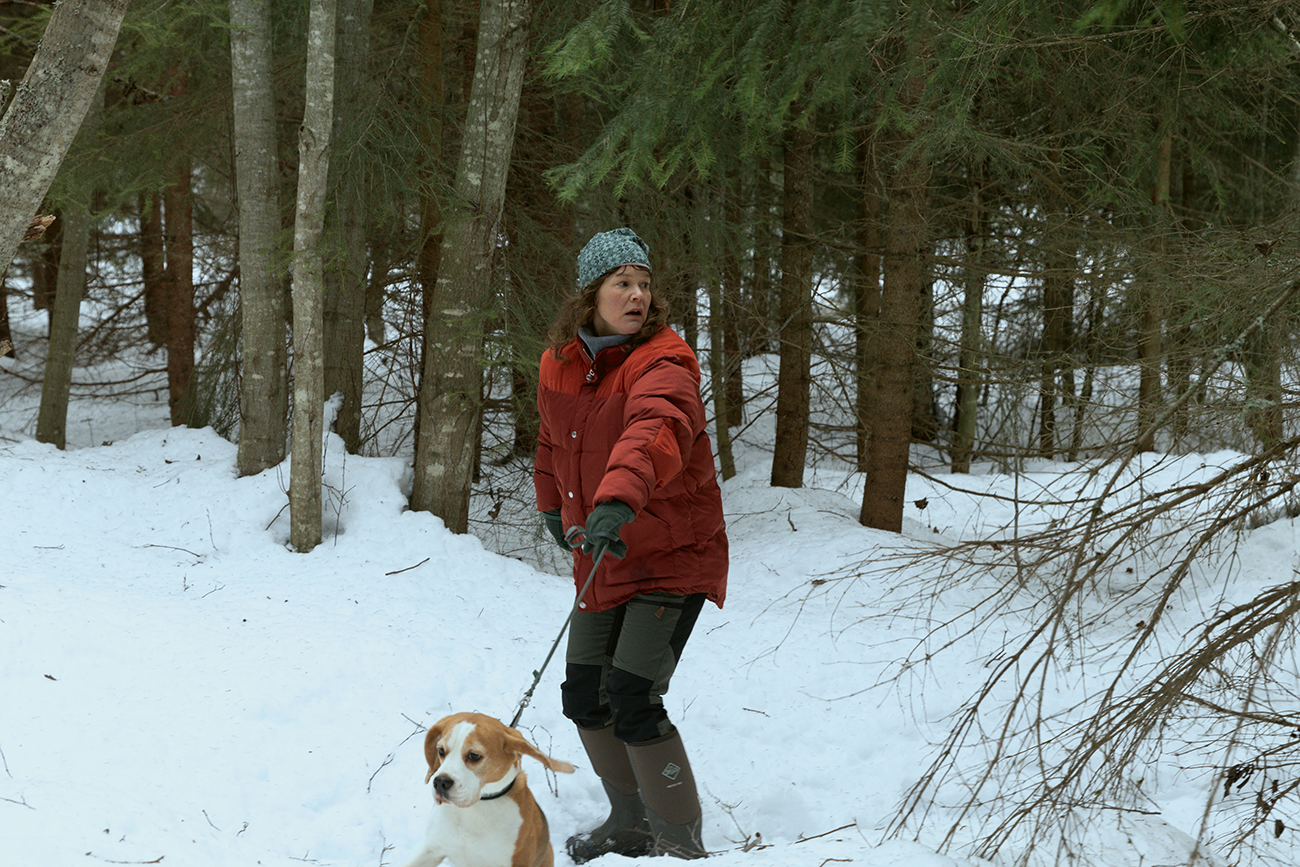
827 834
408 568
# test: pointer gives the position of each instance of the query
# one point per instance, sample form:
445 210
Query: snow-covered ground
178 687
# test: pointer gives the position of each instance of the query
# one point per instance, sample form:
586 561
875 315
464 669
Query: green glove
601 534
556 526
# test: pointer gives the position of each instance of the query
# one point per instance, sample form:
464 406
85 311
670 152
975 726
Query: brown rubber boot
671 800
626 831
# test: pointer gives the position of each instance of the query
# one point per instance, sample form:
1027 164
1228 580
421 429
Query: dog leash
573 538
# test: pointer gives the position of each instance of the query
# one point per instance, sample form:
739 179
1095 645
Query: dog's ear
431 738
519 745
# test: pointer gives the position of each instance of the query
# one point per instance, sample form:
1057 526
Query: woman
622 452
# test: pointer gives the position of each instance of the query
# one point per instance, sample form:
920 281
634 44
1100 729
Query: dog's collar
506 790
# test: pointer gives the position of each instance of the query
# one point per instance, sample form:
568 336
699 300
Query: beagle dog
484 814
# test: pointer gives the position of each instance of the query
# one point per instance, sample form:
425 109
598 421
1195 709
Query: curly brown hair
580 310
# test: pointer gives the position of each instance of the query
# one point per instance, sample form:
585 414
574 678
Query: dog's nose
442 784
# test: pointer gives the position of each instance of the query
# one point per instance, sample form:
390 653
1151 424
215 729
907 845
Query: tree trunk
540 252
381 262
1090 350
6 336
178 204
1059 265
264 386
451 391
925 415
345 278
719 354
970 360
432 99
45 265
52 420
153 269
48 108
759 330
907 243
733 323
1150 351
309 281
688 280
1262 365
794 376
866 299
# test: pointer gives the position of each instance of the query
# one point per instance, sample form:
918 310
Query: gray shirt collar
595 344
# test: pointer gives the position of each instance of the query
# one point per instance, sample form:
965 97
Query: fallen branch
408 568
827 834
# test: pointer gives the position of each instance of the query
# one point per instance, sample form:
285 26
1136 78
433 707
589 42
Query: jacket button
570 495
582 604
573 434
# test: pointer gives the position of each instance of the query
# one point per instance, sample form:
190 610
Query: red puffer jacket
630 427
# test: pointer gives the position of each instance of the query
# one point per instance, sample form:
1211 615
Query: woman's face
622 302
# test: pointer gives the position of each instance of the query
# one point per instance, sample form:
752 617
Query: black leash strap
574 534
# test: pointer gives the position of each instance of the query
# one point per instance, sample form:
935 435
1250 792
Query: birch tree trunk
450 400
264 386
49 106
309 281
52 420
794 376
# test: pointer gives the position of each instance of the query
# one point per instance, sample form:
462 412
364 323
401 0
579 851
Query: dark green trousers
620 662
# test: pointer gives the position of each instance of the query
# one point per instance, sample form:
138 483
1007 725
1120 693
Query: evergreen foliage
1115 182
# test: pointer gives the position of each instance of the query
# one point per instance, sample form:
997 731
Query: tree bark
451 391
1059 267
925 415
720 354
432 100
794 376
1150 349
45 265
264 386
345 277
732 319
153 270
759 329
308 281
178 205
6 336
905 274
540 253
866 298
48 108
970 360
52 419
